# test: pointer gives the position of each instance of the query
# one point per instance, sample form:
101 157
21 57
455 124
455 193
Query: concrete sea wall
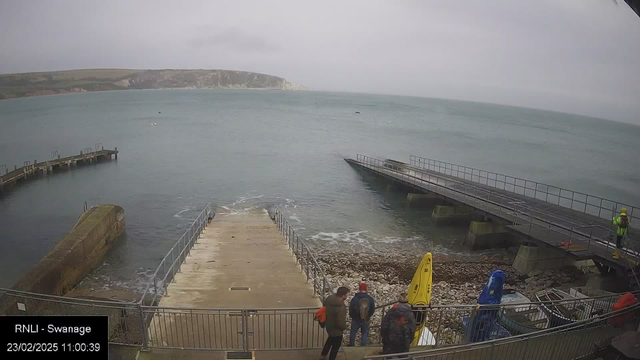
77 253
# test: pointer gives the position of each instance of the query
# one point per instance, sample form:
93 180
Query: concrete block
451 215
531 257
484 235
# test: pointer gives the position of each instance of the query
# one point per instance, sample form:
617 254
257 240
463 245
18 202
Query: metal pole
143 330
245 331
155 285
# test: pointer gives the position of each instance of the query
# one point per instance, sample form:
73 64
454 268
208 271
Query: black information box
54 337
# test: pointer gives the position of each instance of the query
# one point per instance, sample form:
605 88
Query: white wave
345 236
243 199
290 203
396 239
248 210
177 215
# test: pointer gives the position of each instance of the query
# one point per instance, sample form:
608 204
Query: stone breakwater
457 280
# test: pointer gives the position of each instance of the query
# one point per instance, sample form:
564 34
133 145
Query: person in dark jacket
336 322
360 302
398 327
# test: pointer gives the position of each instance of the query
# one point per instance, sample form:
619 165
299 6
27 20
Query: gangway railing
173 260
582 232
575 200
485 199
571 341
132 323
305 258
446 326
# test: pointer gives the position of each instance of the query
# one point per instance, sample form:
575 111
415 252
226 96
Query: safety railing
451 325
177 255
575 200
594 236
308 263
234 329
126 324
570 341
485 199
272 329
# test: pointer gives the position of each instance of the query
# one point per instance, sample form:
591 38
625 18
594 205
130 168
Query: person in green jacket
336 322
622 222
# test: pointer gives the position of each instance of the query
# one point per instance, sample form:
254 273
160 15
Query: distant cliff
61 82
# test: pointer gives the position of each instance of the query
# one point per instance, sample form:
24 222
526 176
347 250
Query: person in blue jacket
361 310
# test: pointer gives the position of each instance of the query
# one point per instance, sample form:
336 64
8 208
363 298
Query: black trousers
619 241
333 343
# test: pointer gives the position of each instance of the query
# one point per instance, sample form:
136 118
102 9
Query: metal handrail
89 302
522 337
504 203
531 303
308 263
535 207
442 167
62 299
176 255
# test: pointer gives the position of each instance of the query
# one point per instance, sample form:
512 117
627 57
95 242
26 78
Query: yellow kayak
420 295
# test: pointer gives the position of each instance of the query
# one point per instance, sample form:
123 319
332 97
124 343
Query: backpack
363 308
321 316
624 222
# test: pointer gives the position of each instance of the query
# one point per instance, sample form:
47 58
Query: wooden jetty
32 169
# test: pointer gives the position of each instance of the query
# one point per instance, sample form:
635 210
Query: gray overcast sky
578 56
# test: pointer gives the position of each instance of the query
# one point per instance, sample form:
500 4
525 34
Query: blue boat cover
483 323
492 332
492 292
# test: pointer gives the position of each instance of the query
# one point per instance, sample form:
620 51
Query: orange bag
321 316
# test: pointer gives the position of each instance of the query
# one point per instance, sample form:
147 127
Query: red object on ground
625 301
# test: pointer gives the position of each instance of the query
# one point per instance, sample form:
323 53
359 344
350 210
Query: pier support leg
451 215
484 235
531 257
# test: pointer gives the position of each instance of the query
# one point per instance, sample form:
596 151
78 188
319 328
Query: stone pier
531 257
451 215
484 235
